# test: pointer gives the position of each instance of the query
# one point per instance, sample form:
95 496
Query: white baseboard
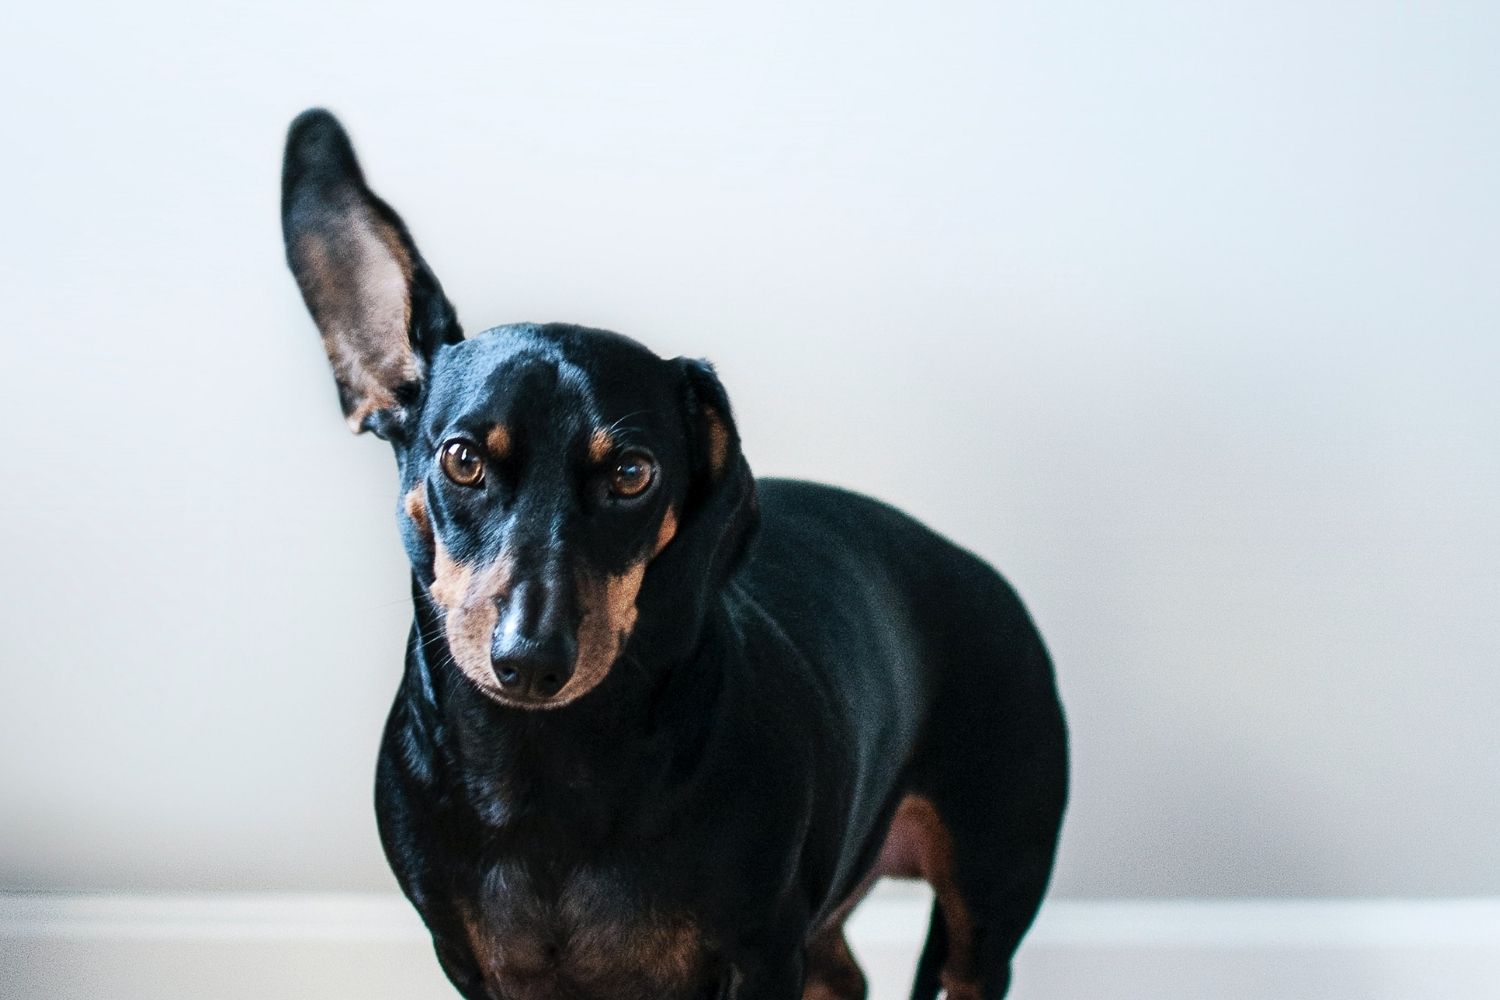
372 947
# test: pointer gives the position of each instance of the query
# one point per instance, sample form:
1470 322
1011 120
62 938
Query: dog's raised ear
379 308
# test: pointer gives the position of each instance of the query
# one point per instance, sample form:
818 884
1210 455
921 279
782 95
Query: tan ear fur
356 279
380 310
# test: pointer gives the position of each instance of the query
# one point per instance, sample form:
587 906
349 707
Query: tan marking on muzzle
470 596
498 440
609 615
600 445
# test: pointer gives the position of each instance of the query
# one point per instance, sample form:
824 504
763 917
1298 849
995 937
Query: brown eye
631 476
461 462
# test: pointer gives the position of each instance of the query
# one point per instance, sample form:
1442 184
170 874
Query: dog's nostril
537 668
527 677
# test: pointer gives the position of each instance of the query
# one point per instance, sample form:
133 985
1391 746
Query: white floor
371 947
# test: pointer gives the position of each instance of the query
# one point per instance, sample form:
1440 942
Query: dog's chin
483 679
526 701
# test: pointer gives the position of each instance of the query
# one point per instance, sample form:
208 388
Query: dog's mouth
523 699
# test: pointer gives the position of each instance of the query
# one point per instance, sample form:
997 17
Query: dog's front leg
778 977
771 965
458 963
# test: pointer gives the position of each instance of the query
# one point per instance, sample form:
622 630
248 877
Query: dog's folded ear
717 523
379 308
722 493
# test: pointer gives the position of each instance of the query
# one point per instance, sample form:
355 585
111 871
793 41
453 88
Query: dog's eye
631 475
461 462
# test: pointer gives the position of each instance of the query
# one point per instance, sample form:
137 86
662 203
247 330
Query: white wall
1185 315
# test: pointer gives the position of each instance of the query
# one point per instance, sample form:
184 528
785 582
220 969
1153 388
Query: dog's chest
583 935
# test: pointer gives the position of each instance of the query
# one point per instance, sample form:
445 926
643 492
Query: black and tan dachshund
663 724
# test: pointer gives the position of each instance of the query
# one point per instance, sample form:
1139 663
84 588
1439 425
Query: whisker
617 425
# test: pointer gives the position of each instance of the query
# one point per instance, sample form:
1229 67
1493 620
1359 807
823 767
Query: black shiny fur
801 659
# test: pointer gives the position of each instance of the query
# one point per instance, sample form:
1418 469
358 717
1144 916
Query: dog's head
565 491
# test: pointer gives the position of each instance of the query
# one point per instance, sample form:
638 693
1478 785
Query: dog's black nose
532 654
537 669
533 648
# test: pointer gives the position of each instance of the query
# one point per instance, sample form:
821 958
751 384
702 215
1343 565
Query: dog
663 724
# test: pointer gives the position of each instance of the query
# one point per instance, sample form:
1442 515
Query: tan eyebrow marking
498 441
600 445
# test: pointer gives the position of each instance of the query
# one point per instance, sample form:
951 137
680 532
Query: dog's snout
536 669
533 650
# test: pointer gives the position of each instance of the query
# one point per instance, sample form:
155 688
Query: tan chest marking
644 959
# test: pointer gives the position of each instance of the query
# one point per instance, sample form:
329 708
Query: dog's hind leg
919 845
989 785
929 978
999 879
985 896
832 972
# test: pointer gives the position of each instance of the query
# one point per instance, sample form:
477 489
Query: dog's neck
588 765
